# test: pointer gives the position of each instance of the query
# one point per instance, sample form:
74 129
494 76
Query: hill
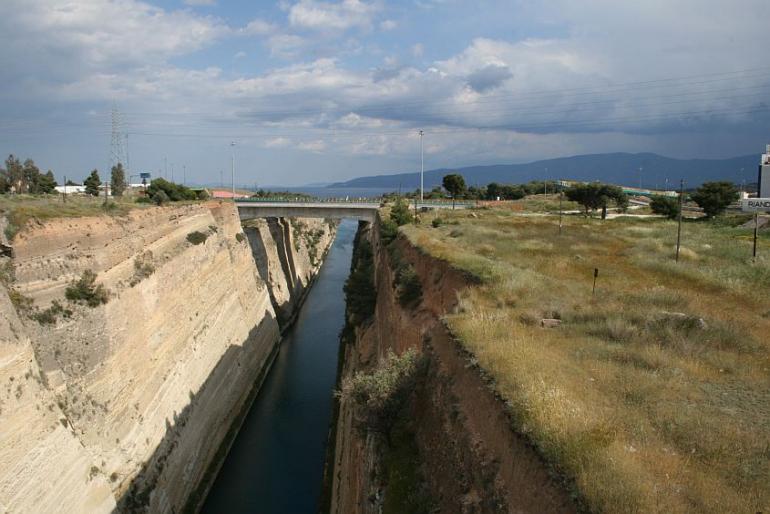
616 168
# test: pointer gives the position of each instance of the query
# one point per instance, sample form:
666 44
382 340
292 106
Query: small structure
764 174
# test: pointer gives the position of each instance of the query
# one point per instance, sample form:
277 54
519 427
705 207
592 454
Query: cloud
328 16
258 27
239 55
277 142
489 77
313 146
388 25
286 46
418 50
200 2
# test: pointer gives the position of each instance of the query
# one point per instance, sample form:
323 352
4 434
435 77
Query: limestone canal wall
129 405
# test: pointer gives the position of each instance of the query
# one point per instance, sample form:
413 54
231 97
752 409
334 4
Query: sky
314 91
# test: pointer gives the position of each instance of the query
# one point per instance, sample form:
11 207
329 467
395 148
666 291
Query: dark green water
276 462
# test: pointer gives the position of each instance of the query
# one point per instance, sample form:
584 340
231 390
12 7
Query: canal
276 462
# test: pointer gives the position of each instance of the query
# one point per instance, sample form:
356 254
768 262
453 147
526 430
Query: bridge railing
299 199
348 200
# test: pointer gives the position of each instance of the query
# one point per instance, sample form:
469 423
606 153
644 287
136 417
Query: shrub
400 213
437 222
240 237
409 285
143 267
715 197
159 198
388 231
21 302
85 290
196 237
360 293
380 395
50 315
174 192
665 205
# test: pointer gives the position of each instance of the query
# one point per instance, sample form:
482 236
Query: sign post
755 205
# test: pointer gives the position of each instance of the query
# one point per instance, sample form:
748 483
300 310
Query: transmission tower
118 141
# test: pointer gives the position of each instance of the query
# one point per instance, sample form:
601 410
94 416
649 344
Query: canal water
276 462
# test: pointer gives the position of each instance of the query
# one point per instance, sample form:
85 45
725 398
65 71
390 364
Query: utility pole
165 167
184 174
172 172
561 212
232 172
422 168
679 227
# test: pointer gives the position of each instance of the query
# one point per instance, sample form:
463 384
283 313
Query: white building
764 174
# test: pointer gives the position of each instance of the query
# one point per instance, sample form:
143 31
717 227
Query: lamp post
422 168
232 171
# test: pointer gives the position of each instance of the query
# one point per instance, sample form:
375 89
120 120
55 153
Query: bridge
251 208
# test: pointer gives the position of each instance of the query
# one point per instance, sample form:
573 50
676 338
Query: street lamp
232 172
422 168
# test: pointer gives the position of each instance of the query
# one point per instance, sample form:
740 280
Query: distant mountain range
614 168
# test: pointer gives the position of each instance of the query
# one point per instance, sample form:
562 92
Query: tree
93 183
45 183
118 180
666 205
30 174
14 173
454 183
715 197
400 213
595 195
174 192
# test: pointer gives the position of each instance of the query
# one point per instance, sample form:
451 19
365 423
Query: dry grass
19 209
643 408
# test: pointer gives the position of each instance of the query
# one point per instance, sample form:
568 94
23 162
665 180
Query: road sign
144 175
755 205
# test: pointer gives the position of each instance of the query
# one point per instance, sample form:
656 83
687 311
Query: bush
715 197
409 285
665 205
437 222
174 192
51 314
380 395
400 213
85 290
196 237
143 267
159 198
388 231
360 292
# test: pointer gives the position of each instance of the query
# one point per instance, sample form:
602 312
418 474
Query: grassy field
653 395
19 209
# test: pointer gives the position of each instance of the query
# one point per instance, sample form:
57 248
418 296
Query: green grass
642 405
20 209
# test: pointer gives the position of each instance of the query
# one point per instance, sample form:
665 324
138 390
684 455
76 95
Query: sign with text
755 204
144 175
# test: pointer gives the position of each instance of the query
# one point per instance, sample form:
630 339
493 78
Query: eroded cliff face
455 440
127 404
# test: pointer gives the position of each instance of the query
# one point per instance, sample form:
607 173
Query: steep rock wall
470 459
290 264
128 403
